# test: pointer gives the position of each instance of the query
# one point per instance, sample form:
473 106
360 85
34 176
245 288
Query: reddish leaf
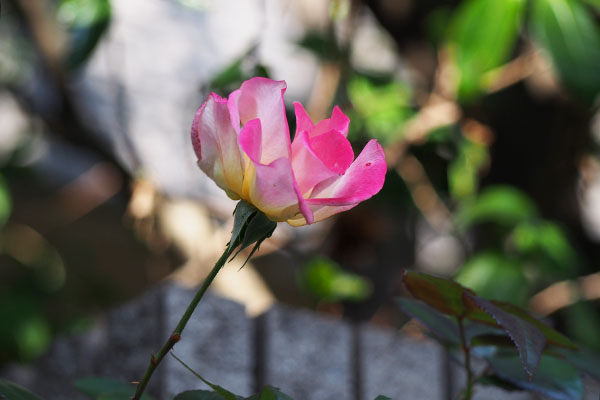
528 339
442 294
553 337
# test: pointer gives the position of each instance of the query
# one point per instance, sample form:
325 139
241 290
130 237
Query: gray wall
307 355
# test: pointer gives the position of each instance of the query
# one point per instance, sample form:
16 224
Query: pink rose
243 144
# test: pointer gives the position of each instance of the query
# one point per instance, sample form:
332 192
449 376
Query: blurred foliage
482 36
546 242
381 108
463 171
106 389
322 45
328 282
11 391
483 271
500 204
569 33
85 21
243 68
582 323
5 202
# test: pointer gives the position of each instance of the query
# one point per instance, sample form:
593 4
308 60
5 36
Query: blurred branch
324 89
48 37
423 193
565 293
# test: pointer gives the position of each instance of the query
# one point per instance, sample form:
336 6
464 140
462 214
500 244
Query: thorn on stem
153 359
176 337
135 383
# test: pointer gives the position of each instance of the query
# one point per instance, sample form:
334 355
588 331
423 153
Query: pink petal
319 158
334 150
338 122
250 139
271 188
262 98
215 143
303 121
362 180
234 113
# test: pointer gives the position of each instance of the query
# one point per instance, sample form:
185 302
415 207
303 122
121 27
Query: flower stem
468 391
155 359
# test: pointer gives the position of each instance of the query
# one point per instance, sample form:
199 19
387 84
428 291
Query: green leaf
380 397
115 396
106 388
552 336
199 395
95 386
528 339
5 202
483 271
225 394
584 360
463 171
445 328
482 36
86 21
12 391
568 32
504 205
326 281
270 393
554 378
442 294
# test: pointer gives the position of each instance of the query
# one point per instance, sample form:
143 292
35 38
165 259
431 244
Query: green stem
468 391
155 359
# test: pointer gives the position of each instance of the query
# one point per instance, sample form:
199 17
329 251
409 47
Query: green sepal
250 226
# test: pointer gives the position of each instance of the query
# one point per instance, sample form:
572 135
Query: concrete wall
307 355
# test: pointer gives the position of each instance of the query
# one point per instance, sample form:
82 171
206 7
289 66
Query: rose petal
338 122
334 150
320 158
234 113
215 143
308 168
250 139
303 121
362 180
262 98
270 188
